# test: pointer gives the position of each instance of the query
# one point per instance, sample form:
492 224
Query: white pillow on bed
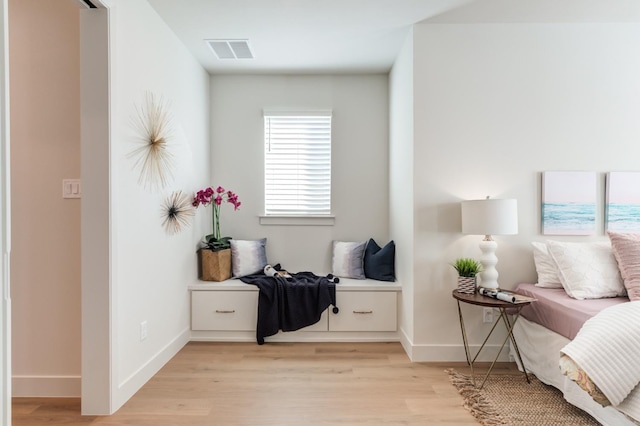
545 267
587 270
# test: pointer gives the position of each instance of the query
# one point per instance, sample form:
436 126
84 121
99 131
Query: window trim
298 219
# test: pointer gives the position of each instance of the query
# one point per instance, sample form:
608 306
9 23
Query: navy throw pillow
379 263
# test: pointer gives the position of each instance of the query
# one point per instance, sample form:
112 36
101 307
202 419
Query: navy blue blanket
289 304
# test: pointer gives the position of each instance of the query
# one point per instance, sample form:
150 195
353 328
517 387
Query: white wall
45 127
495 105
150 269
401 181
360 200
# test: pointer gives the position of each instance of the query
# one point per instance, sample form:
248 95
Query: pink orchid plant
216 197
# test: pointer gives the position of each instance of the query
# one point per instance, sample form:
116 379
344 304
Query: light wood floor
277 384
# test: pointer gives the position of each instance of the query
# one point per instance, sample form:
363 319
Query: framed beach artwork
568 203
622 210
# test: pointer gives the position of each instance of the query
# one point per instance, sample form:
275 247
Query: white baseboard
450 353
455 353
133 383
46 386
406 343
296 336
416 353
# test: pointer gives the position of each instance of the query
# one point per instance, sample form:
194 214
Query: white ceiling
299 36
350 36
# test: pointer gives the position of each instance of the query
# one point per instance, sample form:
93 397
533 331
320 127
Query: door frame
97 372
5 221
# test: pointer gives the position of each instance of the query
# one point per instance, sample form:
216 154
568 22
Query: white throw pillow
348 259
587 270
545 267
248 257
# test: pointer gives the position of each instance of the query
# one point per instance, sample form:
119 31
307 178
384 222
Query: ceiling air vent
230 49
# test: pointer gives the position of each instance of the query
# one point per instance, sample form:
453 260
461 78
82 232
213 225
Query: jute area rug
510 400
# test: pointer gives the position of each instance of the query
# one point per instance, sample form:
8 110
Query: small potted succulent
467 269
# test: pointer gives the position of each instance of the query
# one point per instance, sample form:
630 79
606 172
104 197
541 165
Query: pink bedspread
556 311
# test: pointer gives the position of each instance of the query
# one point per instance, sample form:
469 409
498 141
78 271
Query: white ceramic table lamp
489 217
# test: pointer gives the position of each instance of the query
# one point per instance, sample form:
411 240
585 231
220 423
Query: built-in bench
228 311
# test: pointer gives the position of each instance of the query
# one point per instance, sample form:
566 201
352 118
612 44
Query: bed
582 335
545 327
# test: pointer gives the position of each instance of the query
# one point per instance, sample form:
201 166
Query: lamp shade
490 217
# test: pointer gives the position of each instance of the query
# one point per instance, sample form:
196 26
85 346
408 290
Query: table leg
510 326
485 340
466 344
503 314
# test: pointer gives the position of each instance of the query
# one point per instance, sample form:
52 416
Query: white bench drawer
224 310
321 325
365 311
232 311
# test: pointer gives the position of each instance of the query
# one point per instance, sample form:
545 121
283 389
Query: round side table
502 306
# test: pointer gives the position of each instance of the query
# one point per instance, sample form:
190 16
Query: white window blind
297 163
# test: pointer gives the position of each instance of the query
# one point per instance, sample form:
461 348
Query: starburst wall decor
177 211
153 157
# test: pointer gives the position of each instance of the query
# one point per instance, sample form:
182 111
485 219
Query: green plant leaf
467 267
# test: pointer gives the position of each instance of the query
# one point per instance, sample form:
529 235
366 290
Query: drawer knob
362 312
218 311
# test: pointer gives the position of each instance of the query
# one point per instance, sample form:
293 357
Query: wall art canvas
622 210
568 203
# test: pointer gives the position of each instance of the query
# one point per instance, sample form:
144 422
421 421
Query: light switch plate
71 188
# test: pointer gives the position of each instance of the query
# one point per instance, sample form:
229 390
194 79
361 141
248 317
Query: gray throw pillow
348 259
248 257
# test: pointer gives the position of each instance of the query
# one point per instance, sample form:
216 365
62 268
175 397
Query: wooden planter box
214 265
